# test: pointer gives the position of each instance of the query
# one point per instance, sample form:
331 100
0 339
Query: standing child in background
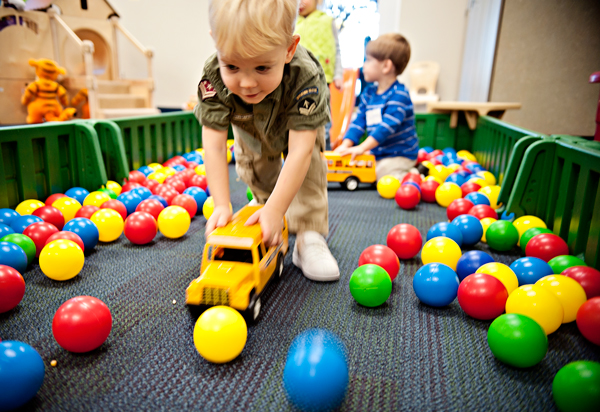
274 94
385 111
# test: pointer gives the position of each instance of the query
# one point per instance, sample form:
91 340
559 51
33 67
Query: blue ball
233 156
85 229
131 200
415 184
199 196
450 151
146 170
530 269
142 192
207 191
478 198
161 199
428 149
456 178
447 230
463 173
7 216
77 193
315 376
14 256
470 261
475 167
436 284
5 230
21 374
22 222
179 168
442 159
470 227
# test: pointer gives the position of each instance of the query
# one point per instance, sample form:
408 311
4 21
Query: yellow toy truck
350 173
236 266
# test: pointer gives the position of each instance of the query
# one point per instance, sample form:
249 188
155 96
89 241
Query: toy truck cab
350 173
236 266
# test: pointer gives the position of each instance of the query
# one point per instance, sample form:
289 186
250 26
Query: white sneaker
253 202
312 256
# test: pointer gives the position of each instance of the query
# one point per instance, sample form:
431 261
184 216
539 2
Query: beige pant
309 208
395 166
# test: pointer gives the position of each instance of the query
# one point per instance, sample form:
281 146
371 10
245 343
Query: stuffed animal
82 96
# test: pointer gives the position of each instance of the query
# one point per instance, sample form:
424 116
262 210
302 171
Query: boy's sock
312 256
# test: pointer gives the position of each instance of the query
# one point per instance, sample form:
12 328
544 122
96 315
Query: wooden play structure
81 36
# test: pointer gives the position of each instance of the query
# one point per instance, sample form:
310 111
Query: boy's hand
338 83
220 217
353 151
271 224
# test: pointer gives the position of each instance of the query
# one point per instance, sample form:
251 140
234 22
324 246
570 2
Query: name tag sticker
374 117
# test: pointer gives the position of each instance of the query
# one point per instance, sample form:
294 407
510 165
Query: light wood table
471 110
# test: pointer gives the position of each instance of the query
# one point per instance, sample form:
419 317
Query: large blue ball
22 222
5 230
199 196
7 216
131 200
447 230
436 284
470 261
14 256
21 374
77 193
142 192
450 151
470 227
428 149
85 229
179 168
147 171
530 269
456 178
478 199
315 376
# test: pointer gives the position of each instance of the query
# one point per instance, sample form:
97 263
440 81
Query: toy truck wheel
351 183
253 310
279 265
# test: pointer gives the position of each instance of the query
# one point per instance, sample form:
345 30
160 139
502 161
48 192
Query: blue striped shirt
391 122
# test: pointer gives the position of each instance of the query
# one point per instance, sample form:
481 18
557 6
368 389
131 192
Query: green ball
502 235
517 340
24 242
562 262
249 194
576 387
370 285
109 192
530 233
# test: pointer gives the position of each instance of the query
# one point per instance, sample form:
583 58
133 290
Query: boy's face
307 7
372 69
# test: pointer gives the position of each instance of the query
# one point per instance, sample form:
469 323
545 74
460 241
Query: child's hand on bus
338 83
219 218
353 151
271 225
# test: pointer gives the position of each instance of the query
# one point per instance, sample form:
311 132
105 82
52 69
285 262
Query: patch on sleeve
308 91
206 89
307 106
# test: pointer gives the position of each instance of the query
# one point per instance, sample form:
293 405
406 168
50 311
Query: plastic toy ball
13 256
530 234
524 223
485 224
136 176
470 227
470 261
488 177
435 179
588 320
77 193
530 269
61 259
160 199
587 277
539 304
21 373
405 240
407 196
39 233
382 256
27 207
158 176
412 177
436 284
387 186
155 166
208 208
446 193
174 222
199 196
501 272
502 235
115 205
483 211
445 229
482 296
561 263
140 228
315 376
22 222
167 192
51 215
67 206
546 247
575 387
67 236
7 216
5 230
478 181
469 187
144 193
82 324
109 192
152 206
428 189
12 288
128 187
200 170
478 198
24 242
187 202
199 181
86 211
109 223
458 207
455 178
570 294
414 184
96 199
86 230
370 285
130 200
220 334
114 186
492 193
439 171
441 250
517 340
249 194
50 200
465 154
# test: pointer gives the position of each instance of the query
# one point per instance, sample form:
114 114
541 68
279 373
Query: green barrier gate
113 150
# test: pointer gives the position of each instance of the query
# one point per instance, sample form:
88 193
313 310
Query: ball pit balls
502 235
109 223
587 277
67 206
530 269
77 193
588 320
561 263
492 193
115 205
382 256
487 176
67 236
5 230
569 293
96 199
208 208
114 186
24 242
428 188
501 272
140 228
517 340
109 192
440 171
445 229
21 373
187 202
86 230
199 181
524 223
446 193
249 194
129 186
539 304
39 233
465 154
52 215
470 261
86 211
158 176
482 296
174 222
61 259
436 284
469 187
370 285
441 250
136 176
14 256
412 177
12 288
485 224
51 199
200 170
470 227
482 211
152 206
546 247
478 198
405 240
27 207
130 200
387 186
144 192
575 387
530 234
22 222
220 334
458 207
315 376
199 196
407 196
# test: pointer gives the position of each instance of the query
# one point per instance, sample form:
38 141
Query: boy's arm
214 143
357 128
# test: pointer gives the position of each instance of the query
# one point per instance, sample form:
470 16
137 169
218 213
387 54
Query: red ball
463 168
433 154
546 246
187 202
185 175
50 215
198 180
167 192
428 189
435 162
412 177
421 155
405 240
458 207
382 256
81 324
130 185
12 288
140 228
87 211
68 236
483 211
408 196
469 187
137 176
177 160
39 232
482 296
151 184
176 183
587 277
53 198
152 206
192 165
115 205
588 320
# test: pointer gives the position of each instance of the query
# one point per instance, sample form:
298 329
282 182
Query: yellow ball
208 208
96 199
230 142
114 186
220 334
453 167
200 170
200 151
488 177
27 207
492 193
486 222
437 179
158 176
440 171
537 303
61 259
168 171
67 206
441 250
568 291
446 193
387 186
229 156
155 166
109 223
427 164
501 272
465 154
524 223
480 181
174 222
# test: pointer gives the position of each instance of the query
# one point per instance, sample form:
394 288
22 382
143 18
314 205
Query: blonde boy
274 94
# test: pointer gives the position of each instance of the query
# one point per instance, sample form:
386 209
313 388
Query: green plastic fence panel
434 130
39 160
113 149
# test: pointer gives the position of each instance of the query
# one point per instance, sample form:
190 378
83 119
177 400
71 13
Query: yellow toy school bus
350 174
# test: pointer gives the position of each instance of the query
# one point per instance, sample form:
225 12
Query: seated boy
385 111
274 94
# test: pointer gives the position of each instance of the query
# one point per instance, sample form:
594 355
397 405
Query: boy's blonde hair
391 46
249 28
